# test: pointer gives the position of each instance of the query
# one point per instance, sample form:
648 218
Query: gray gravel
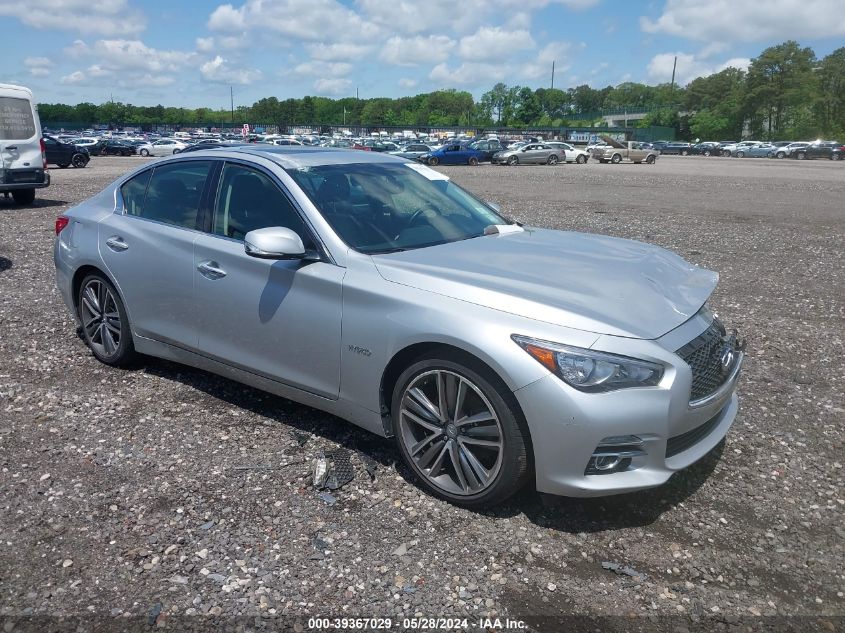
162 492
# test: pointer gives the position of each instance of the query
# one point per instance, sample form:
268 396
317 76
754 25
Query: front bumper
567 426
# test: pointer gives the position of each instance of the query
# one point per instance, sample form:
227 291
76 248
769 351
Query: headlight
591 371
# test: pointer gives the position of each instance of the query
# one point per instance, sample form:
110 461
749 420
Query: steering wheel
418 212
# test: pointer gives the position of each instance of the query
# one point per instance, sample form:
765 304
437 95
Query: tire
513 160
473 161
616 159
835 157
649 160
706 152
105 331
433 161
467 474
740 154
144 153
79 160
780 155
581 159
726 154
684 152
23 196
553 160
800 156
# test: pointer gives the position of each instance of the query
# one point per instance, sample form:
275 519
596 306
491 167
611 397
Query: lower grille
680 443
703 355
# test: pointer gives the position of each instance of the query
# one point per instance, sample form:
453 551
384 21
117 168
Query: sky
187 53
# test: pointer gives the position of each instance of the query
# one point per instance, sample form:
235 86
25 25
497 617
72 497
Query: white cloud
38 66
322 69
77 77
298 19
103 17
412 51
407 82
469 74
219 70
689 67
749 20
332 87
488 40
558 52
338 51
227 42
128 55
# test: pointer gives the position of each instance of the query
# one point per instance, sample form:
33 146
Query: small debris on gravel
622 570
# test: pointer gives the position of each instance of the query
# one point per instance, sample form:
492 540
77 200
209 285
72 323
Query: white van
23 158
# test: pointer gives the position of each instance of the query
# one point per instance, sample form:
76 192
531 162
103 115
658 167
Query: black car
110 147
819 149
65 154
675 148
488 147
708 148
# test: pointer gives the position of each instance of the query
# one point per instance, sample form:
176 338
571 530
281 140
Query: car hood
588 282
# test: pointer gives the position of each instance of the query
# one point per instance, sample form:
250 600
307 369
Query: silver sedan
376 289
531 154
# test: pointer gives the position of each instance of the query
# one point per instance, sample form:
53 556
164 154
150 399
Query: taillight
61 222
44 159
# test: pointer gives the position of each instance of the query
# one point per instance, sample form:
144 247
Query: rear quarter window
133 192
16 121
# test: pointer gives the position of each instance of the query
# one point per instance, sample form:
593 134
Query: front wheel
513 160
740 154
684 153
581 159
105 326
79 160
616 159
458 429
144 152
649 160
552 160
800 156
835 157
780 155
433 161
707 152
23 196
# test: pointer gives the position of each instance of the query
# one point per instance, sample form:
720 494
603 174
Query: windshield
382 208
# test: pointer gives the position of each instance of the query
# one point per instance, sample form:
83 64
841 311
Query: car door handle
116 243
12 147
211 270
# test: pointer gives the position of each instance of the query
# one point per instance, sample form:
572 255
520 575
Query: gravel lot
145 496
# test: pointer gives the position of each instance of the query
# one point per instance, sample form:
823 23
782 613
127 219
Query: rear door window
133 192
16 122
174 193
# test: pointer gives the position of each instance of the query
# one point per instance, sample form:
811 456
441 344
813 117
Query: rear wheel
473 161
23 196
780 155
707 152
835 156
649 160
581 159
726 154
552 160
105 326
457 428
684 152
616 159
800 156
79 160
513 160
145 152
740 154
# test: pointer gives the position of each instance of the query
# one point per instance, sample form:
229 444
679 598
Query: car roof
301 156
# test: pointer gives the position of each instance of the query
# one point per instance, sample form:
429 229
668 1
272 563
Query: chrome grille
702 354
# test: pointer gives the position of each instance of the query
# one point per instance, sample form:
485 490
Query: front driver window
249 200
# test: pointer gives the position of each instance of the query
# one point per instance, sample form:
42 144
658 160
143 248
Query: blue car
453 154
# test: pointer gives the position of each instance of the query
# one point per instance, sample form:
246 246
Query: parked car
786 150
87 143
161 147
424 316
207 145
818 149
762 150
109 147
629 151
23 160
682 149
453 154
531 154
65 154
487 147
413 151
571 154
731 149
707 148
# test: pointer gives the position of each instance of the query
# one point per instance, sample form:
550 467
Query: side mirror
274 242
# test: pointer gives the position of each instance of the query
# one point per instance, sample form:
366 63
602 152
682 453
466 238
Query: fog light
614 454
607 462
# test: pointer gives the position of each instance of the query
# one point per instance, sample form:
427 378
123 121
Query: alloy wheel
451 432
100 318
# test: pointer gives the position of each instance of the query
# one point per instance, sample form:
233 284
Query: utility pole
232 103
674 66
553 74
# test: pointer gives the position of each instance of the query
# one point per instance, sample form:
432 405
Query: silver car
376 289
532 153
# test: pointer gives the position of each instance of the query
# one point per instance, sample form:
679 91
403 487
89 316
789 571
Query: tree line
786 92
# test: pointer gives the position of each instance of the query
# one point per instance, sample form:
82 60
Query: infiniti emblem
727 356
